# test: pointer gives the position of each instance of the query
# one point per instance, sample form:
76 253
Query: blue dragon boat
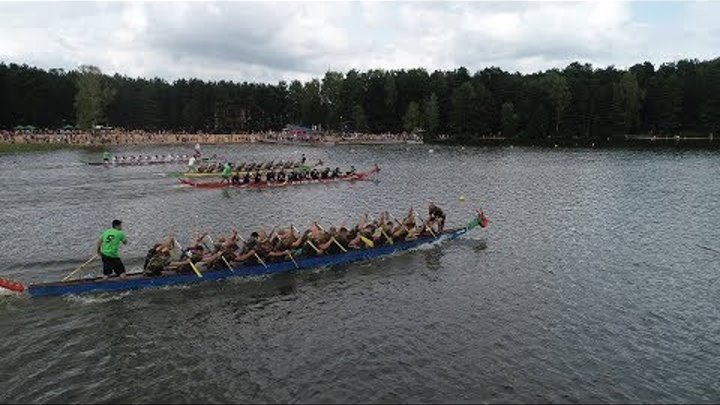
140 281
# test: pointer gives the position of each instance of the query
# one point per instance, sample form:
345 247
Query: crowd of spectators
139 137
337 137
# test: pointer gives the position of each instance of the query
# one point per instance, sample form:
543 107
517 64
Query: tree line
579 101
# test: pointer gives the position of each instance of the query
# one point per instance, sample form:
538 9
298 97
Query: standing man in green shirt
227 170
107 248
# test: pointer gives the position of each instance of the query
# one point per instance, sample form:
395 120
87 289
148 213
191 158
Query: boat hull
141 282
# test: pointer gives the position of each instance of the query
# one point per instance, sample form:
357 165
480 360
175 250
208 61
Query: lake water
596 281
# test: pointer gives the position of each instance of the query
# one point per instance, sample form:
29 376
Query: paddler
226 172
159 262
106 156
107 248
436 216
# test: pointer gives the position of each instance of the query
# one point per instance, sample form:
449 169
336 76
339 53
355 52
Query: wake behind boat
267 253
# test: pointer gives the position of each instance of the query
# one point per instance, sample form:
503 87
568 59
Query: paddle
81 267
382 229
400 223
367 241
426 227
292 258
192 265
332 238
223 257
361 226
389 239
256 255
309 242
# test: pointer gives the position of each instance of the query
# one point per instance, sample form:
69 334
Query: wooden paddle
256 255
292 258
400 223
81 267
389 239
426 227
332 238
192 265
223 257
382 229
309 242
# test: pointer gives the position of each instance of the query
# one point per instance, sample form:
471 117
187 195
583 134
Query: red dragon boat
361 176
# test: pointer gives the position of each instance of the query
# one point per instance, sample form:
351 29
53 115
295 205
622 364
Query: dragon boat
141 281
303 168
264 184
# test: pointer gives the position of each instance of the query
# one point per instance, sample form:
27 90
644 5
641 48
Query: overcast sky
268 42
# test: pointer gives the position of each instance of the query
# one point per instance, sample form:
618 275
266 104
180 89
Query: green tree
331 93
312 111
665 101
463 103
509 120
627 101
413 118
295 102
710 106
559 94
359 120
432 114
93 96
539 123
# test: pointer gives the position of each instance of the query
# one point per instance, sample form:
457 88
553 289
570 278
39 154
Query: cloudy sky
272 41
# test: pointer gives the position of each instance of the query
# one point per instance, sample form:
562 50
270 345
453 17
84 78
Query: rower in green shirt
106 157
108 246
227 170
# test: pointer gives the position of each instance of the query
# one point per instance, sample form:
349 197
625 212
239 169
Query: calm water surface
595 282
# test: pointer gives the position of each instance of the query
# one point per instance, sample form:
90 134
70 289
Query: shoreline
629 141
141 138
54 141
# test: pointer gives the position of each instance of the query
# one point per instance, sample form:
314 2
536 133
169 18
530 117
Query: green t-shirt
226 170
106 156
111 240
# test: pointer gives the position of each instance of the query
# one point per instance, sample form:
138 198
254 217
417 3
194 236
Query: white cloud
265 41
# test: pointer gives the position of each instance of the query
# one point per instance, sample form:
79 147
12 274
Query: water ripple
596 282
